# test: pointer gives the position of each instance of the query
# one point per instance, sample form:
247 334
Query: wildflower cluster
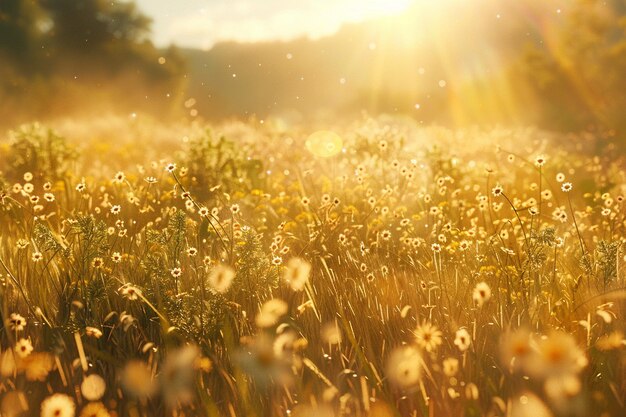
381 269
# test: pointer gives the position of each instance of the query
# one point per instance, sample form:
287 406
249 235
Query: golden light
324 143
386 6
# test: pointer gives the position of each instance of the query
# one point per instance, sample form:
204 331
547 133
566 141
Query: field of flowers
257 269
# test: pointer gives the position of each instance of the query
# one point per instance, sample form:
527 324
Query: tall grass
230 271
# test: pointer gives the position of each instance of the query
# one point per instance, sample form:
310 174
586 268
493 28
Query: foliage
220 161
101 46
397 277
37 149
579 74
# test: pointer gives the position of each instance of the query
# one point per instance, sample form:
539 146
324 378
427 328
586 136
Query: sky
202 23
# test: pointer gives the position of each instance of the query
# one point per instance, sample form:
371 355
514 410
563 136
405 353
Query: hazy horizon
201 24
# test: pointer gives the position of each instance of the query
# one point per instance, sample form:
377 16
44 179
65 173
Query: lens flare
324 143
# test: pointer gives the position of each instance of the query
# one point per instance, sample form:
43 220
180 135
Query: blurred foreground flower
58 405
404 367
221 278
462 339
137 379
93 387
177 375
515 348
481 294
556 355
296 273
271 311
267 360
527 405
14 403
610 341
96 409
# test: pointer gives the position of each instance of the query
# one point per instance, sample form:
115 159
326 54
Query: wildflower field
372 268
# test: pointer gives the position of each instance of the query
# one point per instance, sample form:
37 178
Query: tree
580 74
20 30
67 56
88 26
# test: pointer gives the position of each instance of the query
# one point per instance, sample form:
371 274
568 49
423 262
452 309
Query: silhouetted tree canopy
90 26
19 30
88 55
580 75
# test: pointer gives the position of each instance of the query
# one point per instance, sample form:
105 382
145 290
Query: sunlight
329 208
324 144
385 7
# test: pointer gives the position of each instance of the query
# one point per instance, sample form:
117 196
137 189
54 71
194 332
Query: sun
373 8
388 6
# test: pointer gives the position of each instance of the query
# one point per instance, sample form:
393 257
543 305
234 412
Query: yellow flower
428 337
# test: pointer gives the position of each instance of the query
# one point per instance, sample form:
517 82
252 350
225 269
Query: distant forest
562 71
64 57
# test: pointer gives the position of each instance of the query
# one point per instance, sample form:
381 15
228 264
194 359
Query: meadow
375 267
